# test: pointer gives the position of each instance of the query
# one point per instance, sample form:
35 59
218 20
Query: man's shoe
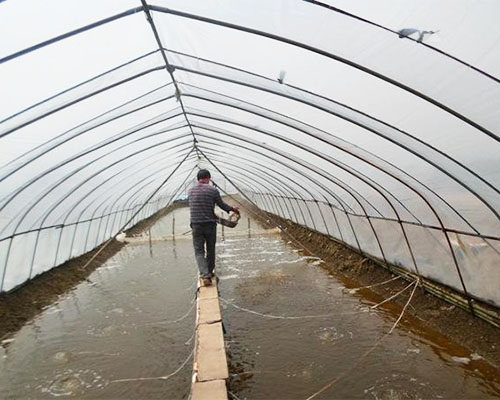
207 282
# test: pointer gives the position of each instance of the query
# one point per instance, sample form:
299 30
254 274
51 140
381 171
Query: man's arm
224 206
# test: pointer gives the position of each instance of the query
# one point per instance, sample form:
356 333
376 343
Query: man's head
203 176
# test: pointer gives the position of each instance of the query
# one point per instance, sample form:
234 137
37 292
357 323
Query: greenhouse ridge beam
331 56
170 68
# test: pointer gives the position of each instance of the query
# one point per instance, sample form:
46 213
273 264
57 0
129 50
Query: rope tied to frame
371 349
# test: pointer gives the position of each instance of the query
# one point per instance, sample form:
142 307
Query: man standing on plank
202 200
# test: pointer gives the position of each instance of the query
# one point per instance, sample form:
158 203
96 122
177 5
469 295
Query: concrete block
211 353
208 292
209 311
212 390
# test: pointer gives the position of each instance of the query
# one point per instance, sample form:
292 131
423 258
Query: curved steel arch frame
86 152
420 42
474 193
288 168
162 153
363 126
330 56
302 164
86 130
118 197
233 166
134 214
281 121
307 166
215 117
128 207
146 9
38 231
255 155
271 181
266 170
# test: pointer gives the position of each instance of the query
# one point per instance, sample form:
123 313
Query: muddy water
108 337
291 330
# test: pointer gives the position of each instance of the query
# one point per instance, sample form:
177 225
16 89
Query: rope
284 316
164 378
393 296
353 290
233 395
370 350
175 320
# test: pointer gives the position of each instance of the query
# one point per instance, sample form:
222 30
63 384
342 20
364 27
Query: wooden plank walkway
210 370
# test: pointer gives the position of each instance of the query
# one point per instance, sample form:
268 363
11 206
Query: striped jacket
202 200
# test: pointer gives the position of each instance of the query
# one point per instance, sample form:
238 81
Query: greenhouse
354 129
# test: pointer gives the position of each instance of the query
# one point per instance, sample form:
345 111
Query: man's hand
236 210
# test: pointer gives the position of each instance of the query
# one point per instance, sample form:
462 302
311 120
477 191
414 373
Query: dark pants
205 234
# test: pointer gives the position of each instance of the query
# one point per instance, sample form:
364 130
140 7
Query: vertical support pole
150 243
310 216
173 226
73 241
322 217
98 231
57 247
336 221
